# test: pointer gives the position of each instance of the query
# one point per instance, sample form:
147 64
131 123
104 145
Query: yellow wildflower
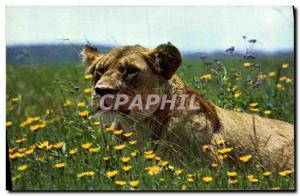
88 76
178 171
127 168
288 80
224 150
150 156
171 167
21 140
41 159
285 172
86 145
207 179
148 152
157 158
8 123
16 155
28 121
206 77
14 178
231 174
106 158
246 64
153 170
112 173
45 145
289 171
42 125
11 150
81 104
285 66
119 147
254 109
128 134
214 164
245 158
22 168
87 90
276 188
83 114
279 87
96 123
109 129
132 142
118 132
125 159
272 74
94 150
133 154
163 163
59 145
34 127
282 78
22 150
232 181
254 104
87 173
16 99
226 79
67 103
235 87
190 180
266 173
134 183
29 151
49 111
261 76
221 157
252 179
120 182
59 165
267 112
73 151
237 95
221 142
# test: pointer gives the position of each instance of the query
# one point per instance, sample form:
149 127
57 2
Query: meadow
56 143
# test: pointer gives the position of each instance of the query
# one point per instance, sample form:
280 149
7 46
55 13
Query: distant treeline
51 54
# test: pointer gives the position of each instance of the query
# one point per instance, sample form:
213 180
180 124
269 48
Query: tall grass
51 94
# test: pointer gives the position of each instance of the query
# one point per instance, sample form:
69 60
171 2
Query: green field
55 145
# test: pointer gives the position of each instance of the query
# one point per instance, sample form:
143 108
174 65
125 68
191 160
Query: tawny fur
270 140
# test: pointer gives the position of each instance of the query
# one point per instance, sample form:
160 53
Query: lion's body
270 141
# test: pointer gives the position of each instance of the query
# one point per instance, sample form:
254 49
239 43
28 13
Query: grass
48 97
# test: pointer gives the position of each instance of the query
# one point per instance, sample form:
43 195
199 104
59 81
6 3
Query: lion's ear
165 60
89 54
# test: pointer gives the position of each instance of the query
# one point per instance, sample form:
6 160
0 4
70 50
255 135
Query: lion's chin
125 120
114 119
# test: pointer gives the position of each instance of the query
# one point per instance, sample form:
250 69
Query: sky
188 28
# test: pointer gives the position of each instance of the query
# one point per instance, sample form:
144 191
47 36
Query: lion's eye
101 71
132 70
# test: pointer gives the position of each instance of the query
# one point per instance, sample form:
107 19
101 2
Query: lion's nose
105 91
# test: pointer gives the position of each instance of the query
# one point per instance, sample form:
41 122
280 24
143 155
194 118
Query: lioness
135 70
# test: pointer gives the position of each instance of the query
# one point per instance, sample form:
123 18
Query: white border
4 3
153 2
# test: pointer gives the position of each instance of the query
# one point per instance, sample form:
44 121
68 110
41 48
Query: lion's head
130 70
